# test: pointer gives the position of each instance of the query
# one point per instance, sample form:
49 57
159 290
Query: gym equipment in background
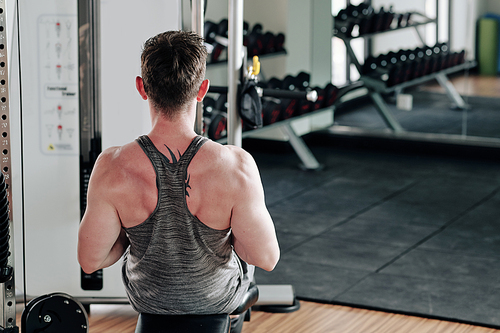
394 71
256 40
56 313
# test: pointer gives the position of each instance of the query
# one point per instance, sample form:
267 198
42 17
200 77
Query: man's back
172 254
214 176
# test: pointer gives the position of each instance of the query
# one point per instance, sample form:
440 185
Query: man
183 203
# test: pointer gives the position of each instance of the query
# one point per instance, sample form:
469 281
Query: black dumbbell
208 106
320 102
330 94
221 103
406 63
255 41
271 112
288 83
210 29
366 21
269 43
304 106
344 22
382 20
371 63
274 83
288 108
388 19
302 81
223 27
217 128
280 42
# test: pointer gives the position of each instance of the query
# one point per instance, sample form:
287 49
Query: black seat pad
149 323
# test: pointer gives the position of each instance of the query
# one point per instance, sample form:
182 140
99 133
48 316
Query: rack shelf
425 21
292 129
377 86
381 87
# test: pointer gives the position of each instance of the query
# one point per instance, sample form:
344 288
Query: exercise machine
55 137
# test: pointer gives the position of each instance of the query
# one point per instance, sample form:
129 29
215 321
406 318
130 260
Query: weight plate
54 313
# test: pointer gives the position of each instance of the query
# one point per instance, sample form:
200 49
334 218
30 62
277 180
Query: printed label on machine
58 69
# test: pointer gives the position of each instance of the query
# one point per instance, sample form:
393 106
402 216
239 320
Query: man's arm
254 237
101 239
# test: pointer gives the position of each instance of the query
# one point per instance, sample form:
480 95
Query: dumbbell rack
378 87
292 129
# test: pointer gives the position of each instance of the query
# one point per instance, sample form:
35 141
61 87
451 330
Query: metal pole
197 23
235 63
437 21
7 288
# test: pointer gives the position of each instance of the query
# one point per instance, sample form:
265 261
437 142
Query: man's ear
139 84
203 90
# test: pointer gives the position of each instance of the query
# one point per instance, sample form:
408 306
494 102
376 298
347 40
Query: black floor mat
401 232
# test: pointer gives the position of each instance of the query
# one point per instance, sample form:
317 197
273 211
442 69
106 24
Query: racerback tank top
176 264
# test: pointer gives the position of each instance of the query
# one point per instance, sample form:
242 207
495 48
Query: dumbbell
288 108
217 128
280 42
269 43
294 107
255 41
213 118
319 104
406 58
388 19
382 20
221 103
330 93
370 64
274 83
223 28
444 55
403 20
366 21
208 106
343 21
302 81
288 83
271 111
210 29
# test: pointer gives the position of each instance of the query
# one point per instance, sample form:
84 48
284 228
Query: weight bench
217 323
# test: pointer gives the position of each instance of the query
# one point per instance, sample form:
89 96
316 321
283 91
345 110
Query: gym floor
316 317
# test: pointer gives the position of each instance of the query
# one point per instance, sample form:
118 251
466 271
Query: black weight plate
54 313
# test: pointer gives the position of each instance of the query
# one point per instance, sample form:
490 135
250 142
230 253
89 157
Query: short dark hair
173 65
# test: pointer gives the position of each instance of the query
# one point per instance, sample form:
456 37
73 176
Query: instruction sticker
58 69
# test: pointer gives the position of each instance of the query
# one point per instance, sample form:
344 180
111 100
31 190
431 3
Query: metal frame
197 25
90 74
7 289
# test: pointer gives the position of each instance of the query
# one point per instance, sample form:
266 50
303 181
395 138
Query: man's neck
179 128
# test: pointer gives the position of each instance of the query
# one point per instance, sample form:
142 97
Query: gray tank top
176 264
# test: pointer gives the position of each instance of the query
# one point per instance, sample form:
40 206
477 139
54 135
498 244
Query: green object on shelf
488 46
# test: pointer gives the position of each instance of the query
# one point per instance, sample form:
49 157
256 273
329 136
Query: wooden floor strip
311 318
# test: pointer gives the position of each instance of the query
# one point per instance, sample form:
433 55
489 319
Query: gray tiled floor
398 232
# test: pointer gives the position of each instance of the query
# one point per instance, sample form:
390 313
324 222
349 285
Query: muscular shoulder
228 159
116 165
229 164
